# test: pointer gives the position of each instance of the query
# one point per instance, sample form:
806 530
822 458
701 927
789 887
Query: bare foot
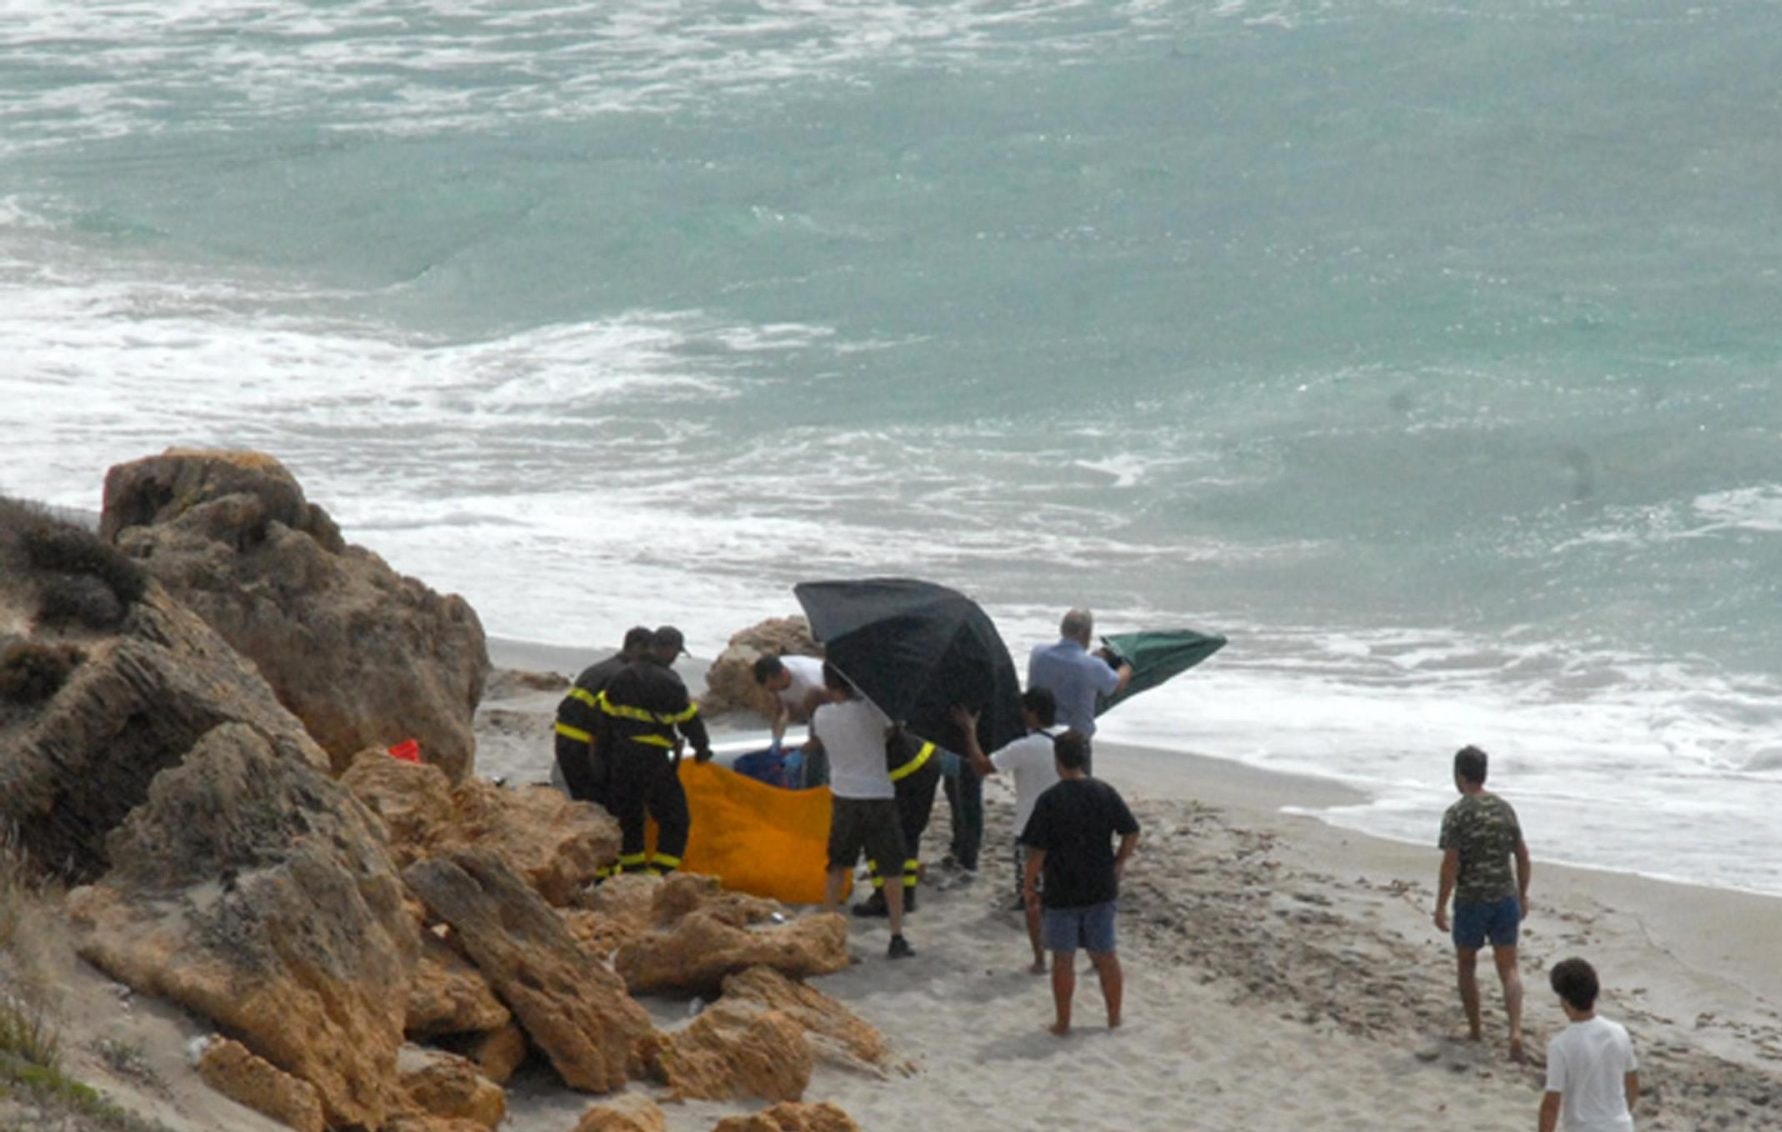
1516 1053
1113 1021
1059 1029
1037 967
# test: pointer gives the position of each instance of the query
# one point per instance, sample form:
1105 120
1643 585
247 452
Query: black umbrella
915 649
1155 656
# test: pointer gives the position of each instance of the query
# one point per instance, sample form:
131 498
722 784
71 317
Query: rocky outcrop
558 845
230 1069
701 933
450 1087
364 656
730 681
836 1034
254 890
790 1116
446 995
91 713
499 1053
572 1008
733 1052
626 1114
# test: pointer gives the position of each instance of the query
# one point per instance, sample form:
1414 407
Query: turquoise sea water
1430 351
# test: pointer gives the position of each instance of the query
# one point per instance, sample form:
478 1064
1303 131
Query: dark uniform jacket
578 716
647 704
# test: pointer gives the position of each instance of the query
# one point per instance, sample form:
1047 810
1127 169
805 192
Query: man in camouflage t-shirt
1480 837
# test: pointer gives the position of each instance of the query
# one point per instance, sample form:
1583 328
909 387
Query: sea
1430 350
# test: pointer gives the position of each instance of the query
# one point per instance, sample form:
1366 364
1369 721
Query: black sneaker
900 948
873 905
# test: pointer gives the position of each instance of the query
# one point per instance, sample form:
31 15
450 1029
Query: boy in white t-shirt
1031 761
1593 1080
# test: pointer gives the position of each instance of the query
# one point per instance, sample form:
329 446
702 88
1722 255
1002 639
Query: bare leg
1467 964
1033 937
1064 984
1113 983
832 889
894 906
1511 977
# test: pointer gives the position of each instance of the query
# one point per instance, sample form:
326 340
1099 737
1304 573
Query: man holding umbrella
1075 677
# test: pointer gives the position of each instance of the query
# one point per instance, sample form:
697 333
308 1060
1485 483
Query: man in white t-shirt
851 731
1593 1080
796 683
1030 760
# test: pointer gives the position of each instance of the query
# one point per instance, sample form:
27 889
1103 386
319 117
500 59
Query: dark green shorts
868 824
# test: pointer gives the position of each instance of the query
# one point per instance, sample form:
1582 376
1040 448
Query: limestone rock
792 1116
364 656
499 1053
730 682
557 844
703 933
427 1122
573 1009
446 995
836 1033
252 889
250 1081
78 752
444 1085
730 1052
625 1114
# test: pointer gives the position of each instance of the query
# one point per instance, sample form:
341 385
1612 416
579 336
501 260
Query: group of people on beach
624 722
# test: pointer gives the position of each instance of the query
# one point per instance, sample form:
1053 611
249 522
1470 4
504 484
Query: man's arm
1445 886
967 722
1524 870
1631 1085
1128 843
1549 1111
1124 674
1030 876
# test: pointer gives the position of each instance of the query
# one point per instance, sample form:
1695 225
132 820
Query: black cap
669 639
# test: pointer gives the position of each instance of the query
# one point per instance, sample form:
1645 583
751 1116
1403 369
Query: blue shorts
1498 921
1090 927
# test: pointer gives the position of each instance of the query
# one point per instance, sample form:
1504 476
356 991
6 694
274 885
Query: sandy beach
1281 974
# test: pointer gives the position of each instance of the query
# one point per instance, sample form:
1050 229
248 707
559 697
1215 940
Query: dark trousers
646 783
584 772
915 802
965 799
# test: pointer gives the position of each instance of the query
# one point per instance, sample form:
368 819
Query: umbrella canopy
915 649
1155 657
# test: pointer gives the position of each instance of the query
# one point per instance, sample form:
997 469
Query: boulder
89 715
441 1084
364 656
255 1083
558 845
572 1008
836 1034
254 890
625 1114
499 1053
730 681
730 1052
701 933
791 1116
446 995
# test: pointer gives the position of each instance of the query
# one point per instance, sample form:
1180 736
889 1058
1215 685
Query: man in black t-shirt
1069 841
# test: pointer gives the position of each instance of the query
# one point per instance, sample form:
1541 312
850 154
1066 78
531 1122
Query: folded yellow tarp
754 837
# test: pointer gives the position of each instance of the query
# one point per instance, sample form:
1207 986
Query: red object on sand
408 751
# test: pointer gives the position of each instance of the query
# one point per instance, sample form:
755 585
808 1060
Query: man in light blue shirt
1074 675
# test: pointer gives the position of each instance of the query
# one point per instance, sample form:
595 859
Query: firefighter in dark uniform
578 717
645 716
915 773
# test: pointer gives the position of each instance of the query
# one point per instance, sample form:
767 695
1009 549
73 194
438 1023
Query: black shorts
865 823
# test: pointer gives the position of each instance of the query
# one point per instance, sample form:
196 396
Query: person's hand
1441 918
703 755
1521 907
1119 870
966 718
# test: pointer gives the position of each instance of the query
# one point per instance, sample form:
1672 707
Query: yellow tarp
754 837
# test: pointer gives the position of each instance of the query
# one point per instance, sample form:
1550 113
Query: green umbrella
1156 656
